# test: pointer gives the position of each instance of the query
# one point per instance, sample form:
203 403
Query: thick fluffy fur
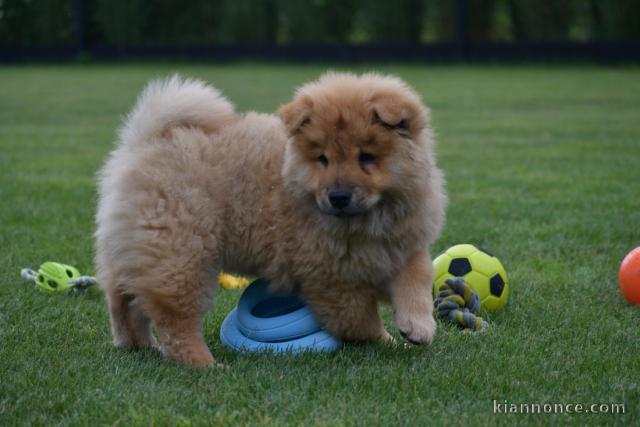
193 187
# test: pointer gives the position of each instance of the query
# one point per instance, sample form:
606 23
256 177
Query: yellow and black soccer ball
478 267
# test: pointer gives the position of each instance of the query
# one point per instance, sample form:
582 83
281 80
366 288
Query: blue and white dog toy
274 322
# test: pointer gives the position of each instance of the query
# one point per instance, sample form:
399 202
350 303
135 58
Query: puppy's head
356 144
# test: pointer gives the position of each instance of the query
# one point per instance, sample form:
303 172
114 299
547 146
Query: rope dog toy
275 322
460 304
54 277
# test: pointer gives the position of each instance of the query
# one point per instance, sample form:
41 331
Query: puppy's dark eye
365 159
323 160
402 124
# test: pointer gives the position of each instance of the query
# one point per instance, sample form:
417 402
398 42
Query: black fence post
461 29
79 26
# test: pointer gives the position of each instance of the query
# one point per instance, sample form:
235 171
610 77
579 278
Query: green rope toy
459 303
54 277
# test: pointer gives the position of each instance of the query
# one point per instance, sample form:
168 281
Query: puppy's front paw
416 330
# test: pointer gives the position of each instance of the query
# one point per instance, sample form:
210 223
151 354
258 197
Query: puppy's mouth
345 213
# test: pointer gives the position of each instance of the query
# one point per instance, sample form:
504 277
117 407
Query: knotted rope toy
460 304
54 277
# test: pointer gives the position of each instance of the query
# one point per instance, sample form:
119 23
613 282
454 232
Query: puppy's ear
397 115
296 114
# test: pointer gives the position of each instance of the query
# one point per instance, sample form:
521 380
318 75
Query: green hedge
52 22
36 22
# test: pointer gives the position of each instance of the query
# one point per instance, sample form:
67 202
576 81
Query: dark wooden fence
602 52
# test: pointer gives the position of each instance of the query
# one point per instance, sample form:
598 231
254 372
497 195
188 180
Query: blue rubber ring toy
265 316
274 322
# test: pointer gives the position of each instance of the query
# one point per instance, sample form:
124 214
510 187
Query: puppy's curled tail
175 102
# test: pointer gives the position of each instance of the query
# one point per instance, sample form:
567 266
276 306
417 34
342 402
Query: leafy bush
53 22
41 22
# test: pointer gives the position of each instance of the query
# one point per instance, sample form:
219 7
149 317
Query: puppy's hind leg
349 314
176 296
130 327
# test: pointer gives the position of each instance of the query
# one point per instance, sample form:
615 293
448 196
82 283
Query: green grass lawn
543 168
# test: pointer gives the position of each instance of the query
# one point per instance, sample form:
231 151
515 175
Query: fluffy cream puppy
337 198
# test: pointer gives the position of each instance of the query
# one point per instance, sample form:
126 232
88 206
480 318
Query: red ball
630 276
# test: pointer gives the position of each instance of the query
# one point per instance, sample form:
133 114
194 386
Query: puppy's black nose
340 199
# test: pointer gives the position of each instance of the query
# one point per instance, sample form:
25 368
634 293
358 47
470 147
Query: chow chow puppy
337 198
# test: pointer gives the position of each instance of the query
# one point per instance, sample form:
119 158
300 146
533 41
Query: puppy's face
352 141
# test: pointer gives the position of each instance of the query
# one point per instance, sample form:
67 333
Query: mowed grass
542 168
